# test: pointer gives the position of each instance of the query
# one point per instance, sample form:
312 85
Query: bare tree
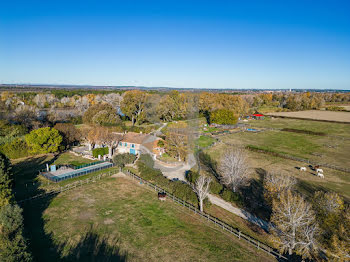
293 225
233 168
201 188
275 184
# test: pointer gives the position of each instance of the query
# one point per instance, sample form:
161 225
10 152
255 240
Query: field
333 148
125 223
317 115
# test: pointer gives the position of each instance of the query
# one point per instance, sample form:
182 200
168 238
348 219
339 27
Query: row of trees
13 245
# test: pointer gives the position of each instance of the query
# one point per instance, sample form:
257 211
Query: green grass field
117 220
205 141
316 126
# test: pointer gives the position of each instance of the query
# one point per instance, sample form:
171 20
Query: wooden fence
227 228
211 219
69 186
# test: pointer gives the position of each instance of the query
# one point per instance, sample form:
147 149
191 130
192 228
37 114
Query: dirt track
331 116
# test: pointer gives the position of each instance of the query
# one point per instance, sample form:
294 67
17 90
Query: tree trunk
132 120
90 146
110 151
290 251
201 205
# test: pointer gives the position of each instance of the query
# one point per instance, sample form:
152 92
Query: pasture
333 148
125 223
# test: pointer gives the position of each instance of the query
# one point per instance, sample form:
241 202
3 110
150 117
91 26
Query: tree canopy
44 140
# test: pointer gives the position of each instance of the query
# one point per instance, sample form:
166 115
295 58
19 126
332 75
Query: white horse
319 170
320 175
303 168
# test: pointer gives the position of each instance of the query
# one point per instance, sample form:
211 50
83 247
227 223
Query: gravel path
179 172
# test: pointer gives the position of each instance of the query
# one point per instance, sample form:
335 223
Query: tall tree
69 132
276 184
293 225
233 168
101 114
6 181
13 246
201 188
44 140
133 105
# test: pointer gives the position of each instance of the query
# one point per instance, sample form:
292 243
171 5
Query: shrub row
121 160
301 131
177 188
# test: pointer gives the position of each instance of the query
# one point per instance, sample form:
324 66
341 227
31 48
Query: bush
121 160
230 196
17 148
147 160
178 188
99 151
192 176
215 187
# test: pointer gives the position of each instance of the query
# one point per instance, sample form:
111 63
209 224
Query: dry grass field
316 115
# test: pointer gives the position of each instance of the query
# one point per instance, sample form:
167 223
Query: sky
183 44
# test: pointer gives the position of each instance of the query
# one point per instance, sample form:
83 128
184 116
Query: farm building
136 143
257 116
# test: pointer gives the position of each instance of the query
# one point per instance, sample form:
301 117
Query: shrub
215 187
192 176
17 148
147 160
230 196
121 160
99 151
178 188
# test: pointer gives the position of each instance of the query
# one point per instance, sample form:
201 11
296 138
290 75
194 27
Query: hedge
177 188
99 151
121 160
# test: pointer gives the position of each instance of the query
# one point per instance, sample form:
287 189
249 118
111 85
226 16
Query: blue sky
191 44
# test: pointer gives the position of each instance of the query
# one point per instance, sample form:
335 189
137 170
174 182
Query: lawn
71 159
117 220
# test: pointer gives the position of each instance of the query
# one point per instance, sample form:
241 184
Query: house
137 143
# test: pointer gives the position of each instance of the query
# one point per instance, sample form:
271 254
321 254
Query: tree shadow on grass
42 244
95 248
253 196
26 173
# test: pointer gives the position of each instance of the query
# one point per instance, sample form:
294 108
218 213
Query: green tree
101 114
6 181
223 117
15 148
134 104
44 140
13 246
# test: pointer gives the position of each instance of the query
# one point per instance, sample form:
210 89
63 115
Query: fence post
239 234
